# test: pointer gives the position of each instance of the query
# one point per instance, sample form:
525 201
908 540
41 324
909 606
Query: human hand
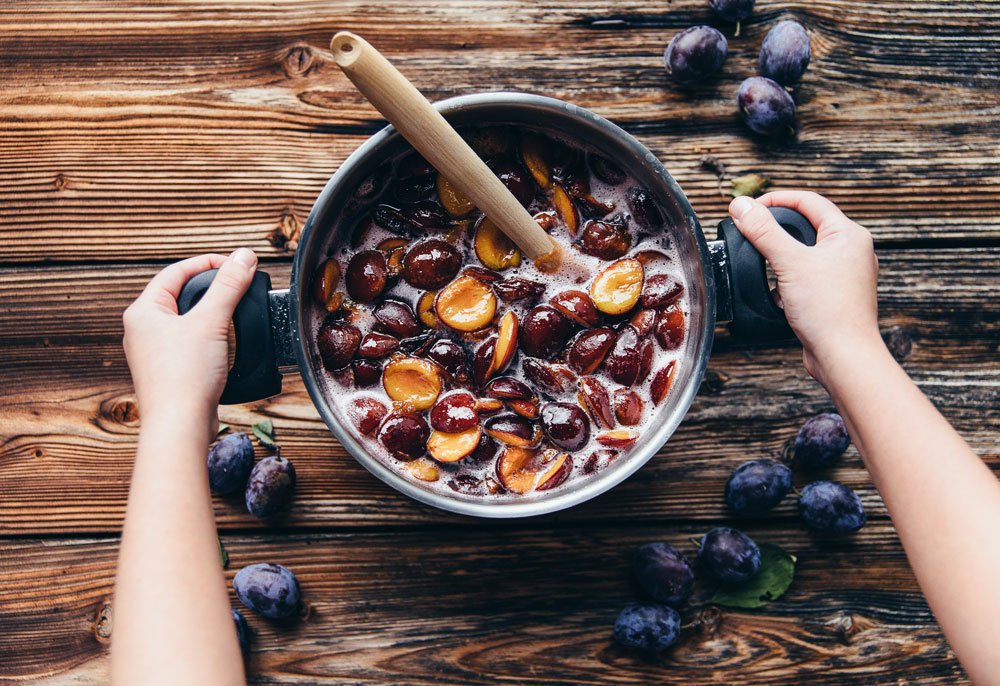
828 291
179 363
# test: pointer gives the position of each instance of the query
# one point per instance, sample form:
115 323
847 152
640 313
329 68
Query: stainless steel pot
726 277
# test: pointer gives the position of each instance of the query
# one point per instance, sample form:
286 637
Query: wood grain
73 412
504 604
154 141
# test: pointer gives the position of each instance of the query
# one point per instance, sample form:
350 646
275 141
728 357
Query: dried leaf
777 569
264 431
224 555
749 184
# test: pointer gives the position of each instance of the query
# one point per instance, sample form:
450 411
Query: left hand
180 363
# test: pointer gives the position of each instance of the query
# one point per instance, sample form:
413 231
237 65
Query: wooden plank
153 142
68 423
504 604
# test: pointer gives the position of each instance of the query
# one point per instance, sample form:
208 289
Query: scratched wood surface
131 135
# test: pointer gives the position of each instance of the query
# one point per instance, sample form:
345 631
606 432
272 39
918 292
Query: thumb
757 224
229 285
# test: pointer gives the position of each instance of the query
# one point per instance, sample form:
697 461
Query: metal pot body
708 270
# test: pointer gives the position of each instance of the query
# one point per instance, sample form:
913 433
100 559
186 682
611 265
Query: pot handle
254 375
755 314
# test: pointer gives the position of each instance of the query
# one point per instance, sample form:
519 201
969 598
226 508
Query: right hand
828 291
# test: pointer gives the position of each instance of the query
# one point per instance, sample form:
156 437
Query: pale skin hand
173 623
944 502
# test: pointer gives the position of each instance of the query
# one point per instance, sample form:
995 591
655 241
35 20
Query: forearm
172 619
944 502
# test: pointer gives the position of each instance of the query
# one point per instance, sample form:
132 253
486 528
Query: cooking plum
544 332
367 275
607 240
565 425
515 179
628 406
513 289
376 345
577 307
393 221
412 380
397 319
366 372
669 330
451 357
643 208
404 435
430 264
366 413
588 349
622 361
512 429
659 290
548 378
605 170
616 288
337 343
695 54
466 304
455 412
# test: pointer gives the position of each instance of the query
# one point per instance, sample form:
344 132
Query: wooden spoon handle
427 131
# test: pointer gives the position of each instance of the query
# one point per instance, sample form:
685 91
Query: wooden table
134 134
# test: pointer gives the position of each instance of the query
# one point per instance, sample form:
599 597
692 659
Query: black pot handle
254 375
755 315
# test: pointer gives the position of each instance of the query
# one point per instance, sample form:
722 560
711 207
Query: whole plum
732 10
647 627
765 106
784 54
696 53
829 507
664 573
730 555
821 441
756 486
271 486
229 463
242 632
268 589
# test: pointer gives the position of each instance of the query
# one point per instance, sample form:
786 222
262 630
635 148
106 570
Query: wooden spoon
426 130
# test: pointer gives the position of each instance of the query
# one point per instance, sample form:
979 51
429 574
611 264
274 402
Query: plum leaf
264 431
223 428
223 554
749 184
777 570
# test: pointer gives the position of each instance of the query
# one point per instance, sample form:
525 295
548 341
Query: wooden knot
899 341
708 620
60 182
122 411
299 61
286 234
714 382
104 622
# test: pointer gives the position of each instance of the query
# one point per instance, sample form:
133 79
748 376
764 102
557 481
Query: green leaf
264 431
749 184
223 554
777 569
223 428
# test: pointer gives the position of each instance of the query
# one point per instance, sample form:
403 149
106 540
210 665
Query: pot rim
600 483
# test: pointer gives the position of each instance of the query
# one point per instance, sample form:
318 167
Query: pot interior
322 234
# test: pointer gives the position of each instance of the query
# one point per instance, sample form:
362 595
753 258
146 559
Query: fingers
755 222
813 206
234 277
165 287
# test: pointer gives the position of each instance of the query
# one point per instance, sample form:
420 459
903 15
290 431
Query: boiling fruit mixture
463 366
